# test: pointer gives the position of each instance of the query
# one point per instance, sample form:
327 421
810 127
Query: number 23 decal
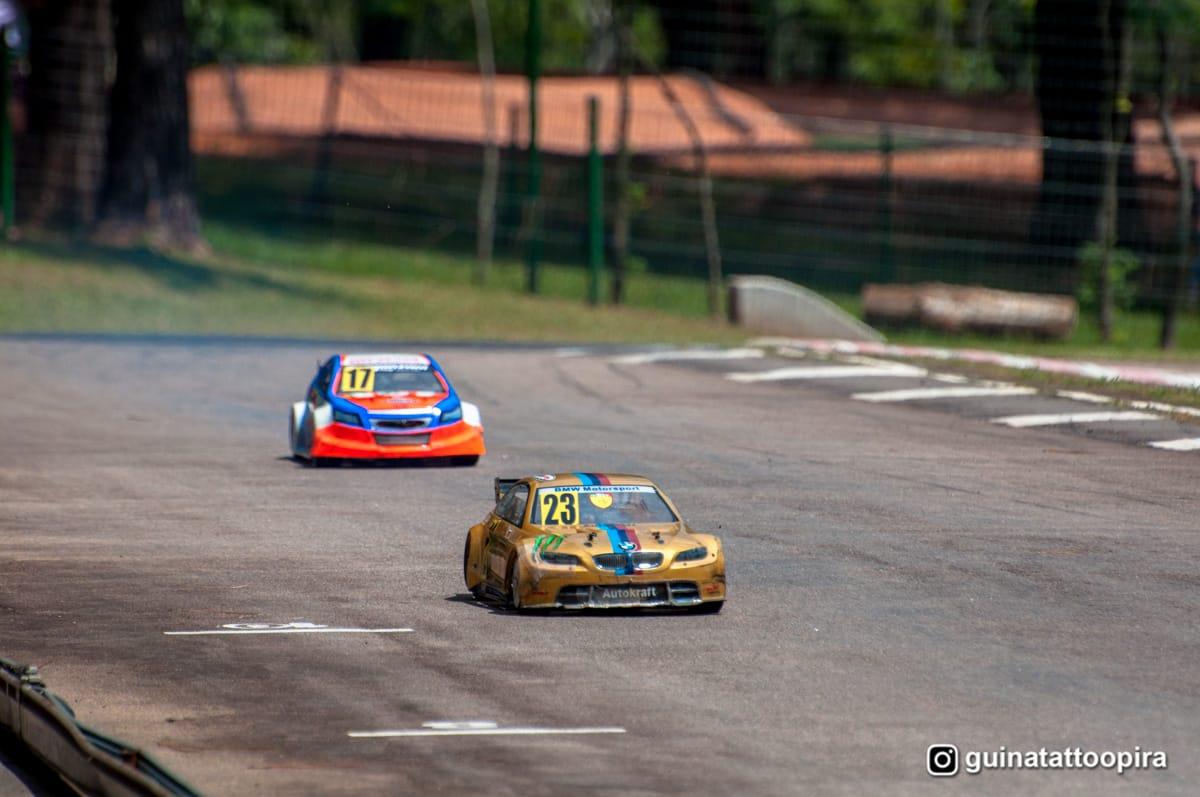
560 508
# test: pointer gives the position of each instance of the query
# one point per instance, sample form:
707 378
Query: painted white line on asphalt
686 354
481 732
1079 395
1183 444
1022 421
953 379
570 352
923 393
1156 406
240 631
826 372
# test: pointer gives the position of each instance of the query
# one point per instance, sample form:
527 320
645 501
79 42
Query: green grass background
255 283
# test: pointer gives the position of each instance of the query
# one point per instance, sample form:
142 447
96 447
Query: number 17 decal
358 380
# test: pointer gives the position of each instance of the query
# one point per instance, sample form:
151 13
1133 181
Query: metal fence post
533 67
595 202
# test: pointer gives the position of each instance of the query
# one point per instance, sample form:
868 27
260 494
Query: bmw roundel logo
628 546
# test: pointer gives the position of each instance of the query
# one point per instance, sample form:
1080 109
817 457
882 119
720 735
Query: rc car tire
477 590
513 597
708 607
292 431
465 461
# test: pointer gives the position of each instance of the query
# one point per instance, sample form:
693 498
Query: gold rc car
589 541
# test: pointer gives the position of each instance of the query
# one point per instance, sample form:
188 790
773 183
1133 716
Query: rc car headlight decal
348 418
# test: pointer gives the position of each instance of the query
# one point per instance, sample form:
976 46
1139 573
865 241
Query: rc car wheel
293 432
708 607
465 461
477 590
514 597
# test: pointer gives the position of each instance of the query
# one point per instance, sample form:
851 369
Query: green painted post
7 178
595 181
533 68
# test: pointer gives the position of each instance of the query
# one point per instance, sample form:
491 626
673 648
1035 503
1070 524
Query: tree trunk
62 152
148 192
1074 86
708 207
1185 169
1117 126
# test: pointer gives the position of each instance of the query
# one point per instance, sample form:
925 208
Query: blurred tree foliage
958 46
576 33
954 45
251 31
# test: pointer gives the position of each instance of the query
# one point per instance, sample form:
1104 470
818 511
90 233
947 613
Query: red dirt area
749 131
414 103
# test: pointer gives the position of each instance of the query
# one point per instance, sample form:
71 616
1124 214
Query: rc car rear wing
503 486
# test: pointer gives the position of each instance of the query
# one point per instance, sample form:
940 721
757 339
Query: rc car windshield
378 379
571 505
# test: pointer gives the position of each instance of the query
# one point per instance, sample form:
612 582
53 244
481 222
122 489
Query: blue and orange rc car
384 407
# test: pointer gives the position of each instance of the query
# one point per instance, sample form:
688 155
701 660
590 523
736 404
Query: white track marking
924 393
1022 421
953 379
686 354
481 732
1183 444
1160 407
241 631
826 372
1079 395
1156 406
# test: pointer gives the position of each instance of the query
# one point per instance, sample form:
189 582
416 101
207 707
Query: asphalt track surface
899 576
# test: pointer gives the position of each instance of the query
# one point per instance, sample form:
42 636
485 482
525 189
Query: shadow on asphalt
384 464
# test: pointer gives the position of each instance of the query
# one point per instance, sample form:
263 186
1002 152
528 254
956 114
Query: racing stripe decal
592 479
619 537
632 536
614 536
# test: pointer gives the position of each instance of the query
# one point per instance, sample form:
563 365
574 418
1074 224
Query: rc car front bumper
342 441
583 588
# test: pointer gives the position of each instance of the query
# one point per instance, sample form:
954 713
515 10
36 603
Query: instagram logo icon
941 760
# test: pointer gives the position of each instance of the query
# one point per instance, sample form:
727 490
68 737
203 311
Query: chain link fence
394 152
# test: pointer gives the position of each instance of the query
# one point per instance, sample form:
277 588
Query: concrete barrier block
776 306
